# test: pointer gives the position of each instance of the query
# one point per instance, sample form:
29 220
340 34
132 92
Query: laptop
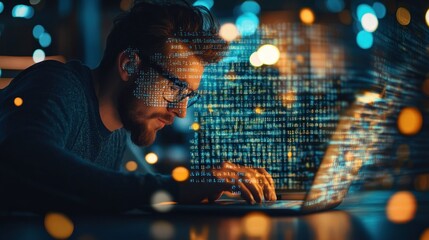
344 156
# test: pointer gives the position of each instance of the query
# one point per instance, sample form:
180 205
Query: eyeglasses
176 90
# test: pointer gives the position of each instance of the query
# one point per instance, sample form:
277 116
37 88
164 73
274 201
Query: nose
179 109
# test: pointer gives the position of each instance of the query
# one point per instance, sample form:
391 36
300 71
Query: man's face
145 105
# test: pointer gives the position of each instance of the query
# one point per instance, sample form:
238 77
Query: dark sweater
55 152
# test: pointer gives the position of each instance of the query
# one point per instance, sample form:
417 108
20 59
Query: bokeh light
0 72
131 166
162 230
195 126
369 22
250 6
427 17
403 16
37 31
421 182
34 2
161 201
58 225
255 60
45 39
410 121
22 11
205 3
18 101
38 55
307 16
180 174
363 9
229 32
364 39
256 225
425 235
151 158
259 110
268 54
1 7
335 5
379 9
401 207
247 23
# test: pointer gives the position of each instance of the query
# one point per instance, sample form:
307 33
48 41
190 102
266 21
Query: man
61 148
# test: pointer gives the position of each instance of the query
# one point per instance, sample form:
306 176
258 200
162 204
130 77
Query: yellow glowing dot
258 110
131 166
18 101
151 158
256 225
255 60
403 16
268 54
228 32
306 15
289 154
427 17
425 235
180 174
401 207
425 87
195 126
410 121
58 225
287 98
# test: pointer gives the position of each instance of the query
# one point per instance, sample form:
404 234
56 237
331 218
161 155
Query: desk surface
365 215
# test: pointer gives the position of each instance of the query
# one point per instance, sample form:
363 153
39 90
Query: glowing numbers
410 121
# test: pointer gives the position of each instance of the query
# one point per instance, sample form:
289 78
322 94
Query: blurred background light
268 54
401 207
22 11
162 230
195 126
151 158
363 9
255 60
228 32
58 225
364 39
38 55
403 16
250 6
1 7
410 121
45 39
18 101
34 2
37 31
247 23
379 9
307 16
180 174
335 5
131 166
162 201
369 22
256 225
427 17
205 3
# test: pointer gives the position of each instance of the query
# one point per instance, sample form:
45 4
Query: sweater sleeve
37 173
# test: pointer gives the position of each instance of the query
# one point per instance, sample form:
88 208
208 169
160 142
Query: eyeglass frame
193 96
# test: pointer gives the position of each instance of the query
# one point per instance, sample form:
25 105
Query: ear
127 64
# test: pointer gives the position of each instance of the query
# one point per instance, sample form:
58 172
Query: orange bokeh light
401 207
410 121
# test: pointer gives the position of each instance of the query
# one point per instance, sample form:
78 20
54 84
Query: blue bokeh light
37 31
380 9
362 9
38 55
1 7
22 11
335 5
45 39
205 3
0 72
250 6
364 39
247 23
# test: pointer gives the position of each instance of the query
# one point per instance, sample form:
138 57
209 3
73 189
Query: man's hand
253 184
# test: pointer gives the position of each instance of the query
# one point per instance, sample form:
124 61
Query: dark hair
148 25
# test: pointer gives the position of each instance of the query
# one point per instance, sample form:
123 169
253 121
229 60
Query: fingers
269 188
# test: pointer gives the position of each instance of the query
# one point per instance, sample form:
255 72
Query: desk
361 216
